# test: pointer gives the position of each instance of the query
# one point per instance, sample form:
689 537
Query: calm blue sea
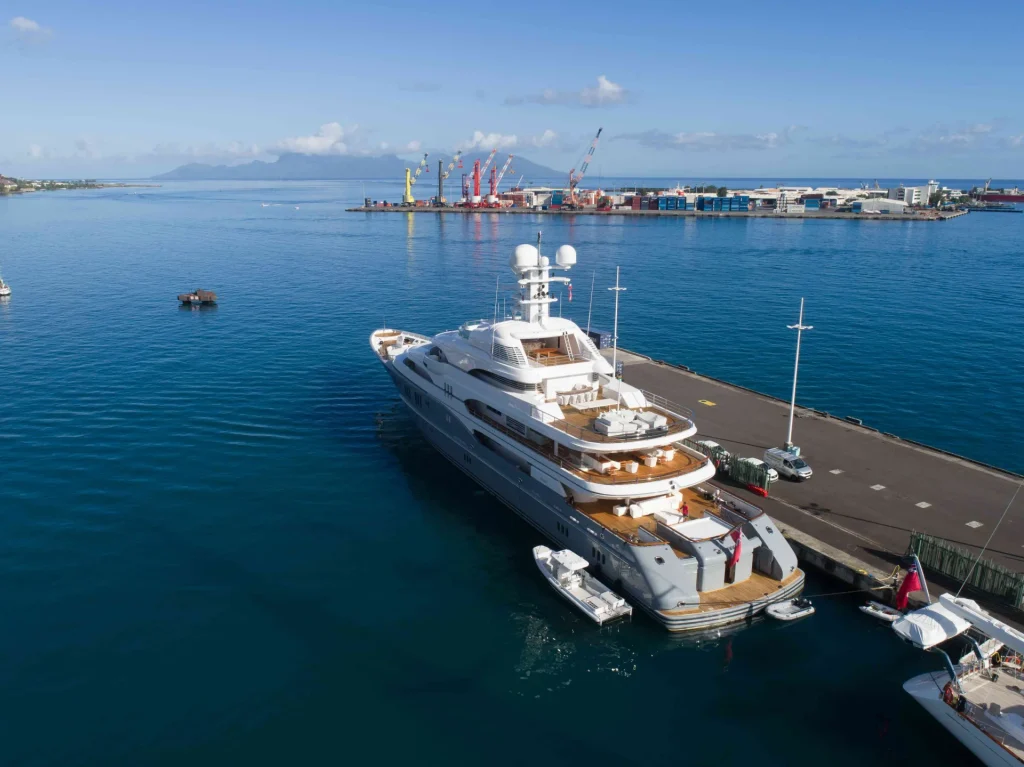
222 540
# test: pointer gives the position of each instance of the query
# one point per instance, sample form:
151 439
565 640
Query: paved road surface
868 491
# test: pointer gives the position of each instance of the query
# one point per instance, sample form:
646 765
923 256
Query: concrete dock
916 216
869 491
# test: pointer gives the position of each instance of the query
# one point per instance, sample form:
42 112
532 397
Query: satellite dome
565 256
544 261
523 257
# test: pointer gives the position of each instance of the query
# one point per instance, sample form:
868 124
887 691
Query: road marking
975 525
878 487
835 471
707 402
923 505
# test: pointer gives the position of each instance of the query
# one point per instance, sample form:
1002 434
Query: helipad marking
923 505
878 487
707 402
835 471
975 524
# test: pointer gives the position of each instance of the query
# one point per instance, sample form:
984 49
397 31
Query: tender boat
881 612
566 571
528 407
790 609
5 289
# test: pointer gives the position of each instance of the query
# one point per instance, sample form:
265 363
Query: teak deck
756 587
626 527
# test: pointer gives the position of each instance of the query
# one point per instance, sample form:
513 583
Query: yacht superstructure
530 409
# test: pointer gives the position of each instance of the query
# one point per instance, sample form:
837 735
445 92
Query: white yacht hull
926 689
624 566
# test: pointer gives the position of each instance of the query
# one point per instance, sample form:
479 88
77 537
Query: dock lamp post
799 328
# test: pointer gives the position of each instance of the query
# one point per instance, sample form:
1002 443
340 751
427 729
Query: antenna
591 309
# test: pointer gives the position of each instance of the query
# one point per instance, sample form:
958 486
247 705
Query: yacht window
659 560
500 381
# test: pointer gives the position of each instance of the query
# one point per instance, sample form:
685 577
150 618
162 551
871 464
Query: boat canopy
930 626
570 560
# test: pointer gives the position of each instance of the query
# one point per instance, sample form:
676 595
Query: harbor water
224 542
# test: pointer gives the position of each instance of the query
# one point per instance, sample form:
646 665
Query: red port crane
574 177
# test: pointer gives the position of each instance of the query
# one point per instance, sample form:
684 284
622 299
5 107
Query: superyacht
530 409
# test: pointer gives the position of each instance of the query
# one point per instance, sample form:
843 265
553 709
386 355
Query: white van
773 476
788 464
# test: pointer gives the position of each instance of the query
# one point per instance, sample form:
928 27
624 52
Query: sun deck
995 705
628 528
580 421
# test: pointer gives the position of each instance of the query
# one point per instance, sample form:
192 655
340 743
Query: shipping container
673 203
644 204
602 339
662 203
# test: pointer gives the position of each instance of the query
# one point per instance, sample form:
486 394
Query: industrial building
914 195
894 207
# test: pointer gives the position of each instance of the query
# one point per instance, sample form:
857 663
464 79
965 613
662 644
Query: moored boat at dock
530 409
978 699
566 572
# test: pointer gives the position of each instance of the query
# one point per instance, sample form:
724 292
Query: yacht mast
615 329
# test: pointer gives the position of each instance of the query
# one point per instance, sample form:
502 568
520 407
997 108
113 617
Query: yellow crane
410 179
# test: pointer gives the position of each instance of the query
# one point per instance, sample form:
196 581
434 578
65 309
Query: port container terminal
870 490
930 201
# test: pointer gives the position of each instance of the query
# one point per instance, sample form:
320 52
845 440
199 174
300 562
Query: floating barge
198 297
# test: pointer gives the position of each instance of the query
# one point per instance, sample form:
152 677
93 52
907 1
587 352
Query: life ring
947 694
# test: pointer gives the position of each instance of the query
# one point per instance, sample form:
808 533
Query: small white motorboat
566 571
790 609
880 611
5 289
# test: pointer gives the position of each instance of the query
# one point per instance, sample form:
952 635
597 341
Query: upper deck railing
619 478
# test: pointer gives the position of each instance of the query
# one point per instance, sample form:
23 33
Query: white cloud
605 93
1016 141
35 151
488 141
234 150
710 141
413 146
28 30
547 138
330 139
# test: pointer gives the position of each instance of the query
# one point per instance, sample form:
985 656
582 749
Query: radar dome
523 257
544 261
565 256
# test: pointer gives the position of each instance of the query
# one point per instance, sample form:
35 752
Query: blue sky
852 89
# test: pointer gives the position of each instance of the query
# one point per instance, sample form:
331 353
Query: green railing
729 465
940 556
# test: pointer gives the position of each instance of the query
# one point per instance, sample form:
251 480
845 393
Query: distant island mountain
304 167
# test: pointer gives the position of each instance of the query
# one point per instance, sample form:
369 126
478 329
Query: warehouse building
894 207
